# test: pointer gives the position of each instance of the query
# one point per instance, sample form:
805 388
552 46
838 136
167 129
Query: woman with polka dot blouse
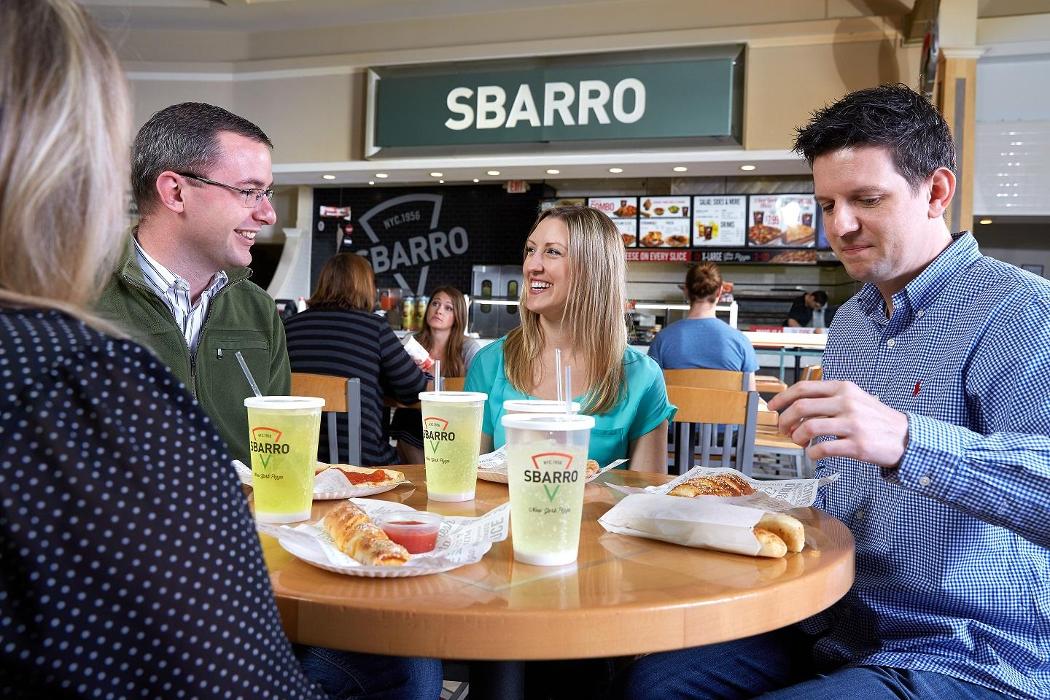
129 564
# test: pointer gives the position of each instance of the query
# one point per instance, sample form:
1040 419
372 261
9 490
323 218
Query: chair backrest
813 373
707 409
341 395
708 379
452 383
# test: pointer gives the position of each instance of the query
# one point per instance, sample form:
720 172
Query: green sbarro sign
675 97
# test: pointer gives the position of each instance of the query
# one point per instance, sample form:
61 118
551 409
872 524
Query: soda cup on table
282 440
451 442
546 470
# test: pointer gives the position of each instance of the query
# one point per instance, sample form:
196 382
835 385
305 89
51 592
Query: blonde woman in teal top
573 299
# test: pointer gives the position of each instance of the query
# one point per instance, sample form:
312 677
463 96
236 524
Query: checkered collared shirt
953 566
174 291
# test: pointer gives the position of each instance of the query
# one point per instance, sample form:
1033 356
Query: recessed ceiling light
747 167
442 182
985 221
679 168
493 172
381 175
553 171
371 182
615 170
476 180
437 174
328 177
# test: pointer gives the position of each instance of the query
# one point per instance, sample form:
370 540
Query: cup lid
453 396
284 402
538 406
548 421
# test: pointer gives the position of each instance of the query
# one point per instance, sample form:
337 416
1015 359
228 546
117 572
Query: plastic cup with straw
451 440
282 440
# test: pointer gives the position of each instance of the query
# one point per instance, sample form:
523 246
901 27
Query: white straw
568 389
557 374
247 373
437 376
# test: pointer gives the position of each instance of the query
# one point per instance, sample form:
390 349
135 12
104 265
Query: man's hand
866 429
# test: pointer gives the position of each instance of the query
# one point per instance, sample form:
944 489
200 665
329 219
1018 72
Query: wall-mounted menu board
664 222
719 220
624 213
790 222
563 202
784 220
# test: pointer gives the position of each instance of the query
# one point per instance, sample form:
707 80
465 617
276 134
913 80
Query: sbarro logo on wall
552 469
266 442
414 219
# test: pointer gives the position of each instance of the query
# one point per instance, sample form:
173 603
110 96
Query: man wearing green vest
202 180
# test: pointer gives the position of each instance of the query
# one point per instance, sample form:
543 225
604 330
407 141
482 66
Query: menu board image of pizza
564 202
787 220
624 213
664 233
665 207
719 220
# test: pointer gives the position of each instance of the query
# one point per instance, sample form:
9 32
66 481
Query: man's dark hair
820 296
182 138
889 116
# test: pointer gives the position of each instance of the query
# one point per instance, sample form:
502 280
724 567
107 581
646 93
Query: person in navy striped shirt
935 412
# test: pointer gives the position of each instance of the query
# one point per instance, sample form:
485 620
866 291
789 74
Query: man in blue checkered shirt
935 411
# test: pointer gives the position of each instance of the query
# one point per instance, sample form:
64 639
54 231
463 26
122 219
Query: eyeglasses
250 198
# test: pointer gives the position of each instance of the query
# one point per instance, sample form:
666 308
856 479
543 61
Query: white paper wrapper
774 495
693 522
328 485
492 466
460 541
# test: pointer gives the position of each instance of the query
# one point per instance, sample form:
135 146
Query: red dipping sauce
416 531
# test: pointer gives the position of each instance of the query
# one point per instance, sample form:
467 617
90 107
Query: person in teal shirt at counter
573 300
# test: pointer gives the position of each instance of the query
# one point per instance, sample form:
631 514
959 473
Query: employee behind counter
808 311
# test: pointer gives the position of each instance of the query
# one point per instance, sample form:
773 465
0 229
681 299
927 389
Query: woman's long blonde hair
594 310
64 128
453 365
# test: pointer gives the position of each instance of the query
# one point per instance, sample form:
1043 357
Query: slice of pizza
592 468
364 476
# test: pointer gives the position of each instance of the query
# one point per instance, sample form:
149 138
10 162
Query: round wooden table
624 595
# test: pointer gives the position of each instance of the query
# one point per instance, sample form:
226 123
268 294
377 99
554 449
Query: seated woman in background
700 340
129 561
443 337
573 298
339 335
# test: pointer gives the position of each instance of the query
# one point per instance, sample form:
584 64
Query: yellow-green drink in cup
282 440
546 470
451 442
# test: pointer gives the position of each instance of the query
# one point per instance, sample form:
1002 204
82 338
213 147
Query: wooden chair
341 395
709 408
770 441
726 380
452 383
813 373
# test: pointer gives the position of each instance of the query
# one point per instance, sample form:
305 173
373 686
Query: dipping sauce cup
416 531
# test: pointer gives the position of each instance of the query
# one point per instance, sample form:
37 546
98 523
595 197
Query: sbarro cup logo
436 430
266 442
552 469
